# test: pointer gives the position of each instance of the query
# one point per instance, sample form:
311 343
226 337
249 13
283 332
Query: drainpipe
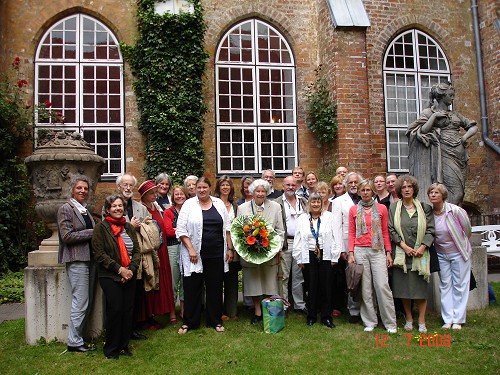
482 94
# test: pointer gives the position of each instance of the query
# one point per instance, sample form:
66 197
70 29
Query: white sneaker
446 326
456 326
422 328
392 330
369 329
408 326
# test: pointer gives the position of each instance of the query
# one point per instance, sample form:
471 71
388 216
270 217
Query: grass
298 349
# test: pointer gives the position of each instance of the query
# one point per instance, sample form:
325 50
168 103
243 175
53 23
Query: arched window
255 100
412 64
78 69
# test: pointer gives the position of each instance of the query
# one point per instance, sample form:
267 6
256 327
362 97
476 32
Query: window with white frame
78 74
255 100
413 63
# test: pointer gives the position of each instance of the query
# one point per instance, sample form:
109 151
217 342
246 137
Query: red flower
16 62
251 240
265 242
47 103
263 232
21 83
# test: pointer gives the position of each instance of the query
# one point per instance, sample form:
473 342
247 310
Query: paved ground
13 311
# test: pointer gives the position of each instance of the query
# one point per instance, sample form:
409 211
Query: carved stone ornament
60 155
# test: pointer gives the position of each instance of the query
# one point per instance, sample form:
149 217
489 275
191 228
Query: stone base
48 300
478 298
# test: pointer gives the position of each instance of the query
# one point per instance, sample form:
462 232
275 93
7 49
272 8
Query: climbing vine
322 110
168 63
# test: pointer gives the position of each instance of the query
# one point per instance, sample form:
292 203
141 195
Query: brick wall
351 58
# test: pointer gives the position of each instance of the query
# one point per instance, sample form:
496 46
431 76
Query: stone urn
59 155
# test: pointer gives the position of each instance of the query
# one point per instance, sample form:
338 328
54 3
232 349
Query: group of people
176 244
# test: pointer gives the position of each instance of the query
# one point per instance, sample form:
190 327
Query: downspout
482 93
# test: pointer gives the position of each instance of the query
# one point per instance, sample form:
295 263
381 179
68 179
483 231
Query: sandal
408 326
183 330
219 328
173 320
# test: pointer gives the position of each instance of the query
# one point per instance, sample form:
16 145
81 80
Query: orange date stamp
430 341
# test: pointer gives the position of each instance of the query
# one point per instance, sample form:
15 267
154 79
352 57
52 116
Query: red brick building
380 58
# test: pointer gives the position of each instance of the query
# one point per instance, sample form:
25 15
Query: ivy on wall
322 120
322 110
168 62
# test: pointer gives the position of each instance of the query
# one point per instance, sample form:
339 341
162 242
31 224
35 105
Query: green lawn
298 349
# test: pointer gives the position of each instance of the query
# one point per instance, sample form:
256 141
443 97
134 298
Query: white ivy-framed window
79 70
255 100
413 63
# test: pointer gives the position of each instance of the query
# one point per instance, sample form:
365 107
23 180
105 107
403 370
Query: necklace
440 212
409 207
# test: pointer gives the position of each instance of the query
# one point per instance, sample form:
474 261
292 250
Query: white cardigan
303 234
190 224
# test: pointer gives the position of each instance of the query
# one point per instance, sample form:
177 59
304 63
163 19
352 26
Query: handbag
273 313
434 261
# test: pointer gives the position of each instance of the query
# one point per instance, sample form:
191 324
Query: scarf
376 232
78 206
419 264
117 226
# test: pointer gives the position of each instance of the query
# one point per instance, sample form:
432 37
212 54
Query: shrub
12 287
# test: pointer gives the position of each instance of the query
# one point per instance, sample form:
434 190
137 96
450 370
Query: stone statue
437 150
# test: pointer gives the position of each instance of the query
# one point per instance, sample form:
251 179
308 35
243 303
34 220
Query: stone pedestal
478 298
48 302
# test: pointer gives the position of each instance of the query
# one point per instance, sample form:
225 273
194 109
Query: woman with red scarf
116 252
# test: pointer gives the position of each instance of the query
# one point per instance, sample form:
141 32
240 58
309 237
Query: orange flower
263 232
246 228
265 242
256 223
250 240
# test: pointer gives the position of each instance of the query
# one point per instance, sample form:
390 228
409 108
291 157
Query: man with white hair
340 210
268 175
134 213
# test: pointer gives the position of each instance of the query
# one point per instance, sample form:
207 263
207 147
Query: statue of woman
437 150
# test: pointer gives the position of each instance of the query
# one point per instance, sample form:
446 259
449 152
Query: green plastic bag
273 313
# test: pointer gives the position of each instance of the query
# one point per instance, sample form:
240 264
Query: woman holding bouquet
206 249
261 279
315 252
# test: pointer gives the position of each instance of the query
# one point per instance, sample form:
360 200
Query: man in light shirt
292 206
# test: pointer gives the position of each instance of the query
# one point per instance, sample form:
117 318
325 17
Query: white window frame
398 161
257 125
79 63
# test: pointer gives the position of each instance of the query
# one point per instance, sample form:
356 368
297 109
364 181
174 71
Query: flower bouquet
254 239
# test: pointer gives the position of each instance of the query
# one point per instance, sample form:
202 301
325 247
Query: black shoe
256 319
126 353
328 323
112 356
310 321
137 336
353 319
81 349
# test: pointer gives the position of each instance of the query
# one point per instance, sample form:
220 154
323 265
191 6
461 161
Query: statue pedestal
478 298
47 294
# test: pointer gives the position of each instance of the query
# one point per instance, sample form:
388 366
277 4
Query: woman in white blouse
206 249
315 252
